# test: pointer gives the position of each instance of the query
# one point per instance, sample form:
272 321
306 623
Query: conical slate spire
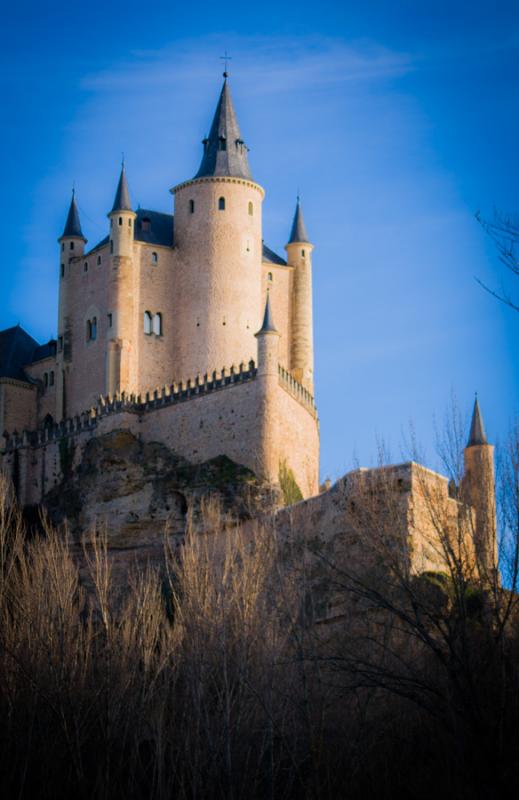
298 232
477 434
73 225
122 195
225 152
268 321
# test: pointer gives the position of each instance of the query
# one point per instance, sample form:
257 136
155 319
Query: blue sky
397 121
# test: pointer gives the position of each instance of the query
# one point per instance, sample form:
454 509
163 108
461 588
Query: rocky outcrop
136 491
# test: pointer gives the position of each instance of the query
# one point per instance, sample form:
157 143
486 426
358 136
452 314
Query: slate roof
160 227
272 258
16 350
225 152
122 195
44 351
298 232
477 434
73 224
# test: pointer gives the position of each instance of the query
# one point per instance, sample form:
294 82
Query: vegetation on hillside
210 680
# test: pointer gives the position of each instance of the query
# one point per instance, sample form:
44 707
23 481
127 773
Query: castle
185 326
186 332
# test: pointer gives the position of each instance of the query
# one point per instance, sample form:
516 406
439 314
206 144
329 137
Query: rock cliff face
136 491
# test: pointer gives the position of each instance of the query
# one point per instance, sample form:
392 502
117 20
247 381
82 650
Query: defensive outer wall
256 423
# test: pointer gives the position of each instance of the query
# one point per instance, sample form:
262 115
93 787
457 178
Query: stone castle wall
198 420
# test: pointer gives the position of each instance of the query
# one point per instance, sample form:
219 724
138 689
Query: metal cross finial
226 58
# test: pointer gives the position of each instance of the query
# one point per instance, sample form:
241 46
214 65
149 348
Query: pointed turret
122 195
478 490
477 434
225 152
268 320
299 256
298 233
73 225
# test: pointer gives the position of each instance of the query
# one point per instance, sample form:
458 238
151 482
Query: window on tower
191 206
251 209
221 204
71 247
147 323
154 258
98 260
120 220
85 266
63 270
269 276
222 143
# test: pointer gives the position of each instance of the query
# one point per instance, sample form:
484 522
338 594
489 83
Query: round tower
218 241
299 255
71 246
120 296
478 488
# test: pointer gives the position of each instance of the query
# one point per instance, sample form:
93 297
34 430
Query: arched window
120 220
71 245
98 260
269 276
154 258
222 143
157 324
51 378
94 328
192 206
221 204
111 246
147 323
63 270
251 209
303 253
88 330
129 223
145 224
85 266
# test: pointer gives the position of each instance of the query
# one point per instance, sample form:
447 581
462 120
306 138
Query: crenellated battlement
297 390
134 404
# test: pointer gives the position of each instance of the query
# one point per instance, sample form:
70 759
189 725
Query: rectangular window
110 319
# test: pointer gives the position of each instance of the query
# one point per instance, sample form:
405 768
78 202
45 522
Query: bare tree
503 229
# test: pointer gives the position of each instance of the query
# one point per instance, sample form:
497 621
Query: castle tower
479 491
72 245
299 255
121 290
268 365
218 238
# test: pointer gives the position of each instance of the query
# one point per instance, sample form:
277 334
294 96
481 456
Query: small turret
72 240
268 344
299 255
478 490
268 380
121 219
